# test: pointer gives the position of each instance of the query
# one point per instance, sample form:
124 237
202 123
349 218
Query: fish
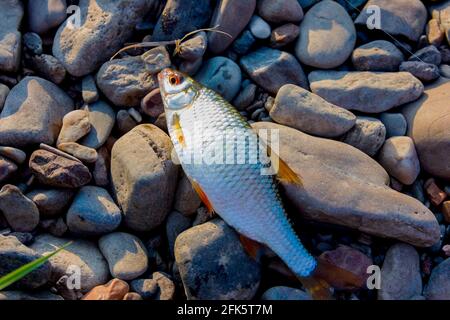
205 129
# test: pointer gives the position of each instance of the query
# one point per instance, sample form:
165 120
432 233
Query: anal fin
202 195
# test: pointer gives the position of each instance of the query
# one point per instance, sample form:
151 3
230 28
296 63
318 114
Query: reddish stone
152 104
435 194
115 289
132 296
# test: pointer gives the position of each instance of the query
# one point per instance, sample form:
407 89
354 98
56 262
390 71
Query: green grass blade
22 271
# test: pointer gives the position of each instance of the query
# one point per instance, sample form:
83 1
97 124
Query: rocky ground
84 156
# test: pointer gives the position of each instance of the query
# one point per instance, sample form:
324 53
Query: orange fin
176 125
252 247
336 276
202 195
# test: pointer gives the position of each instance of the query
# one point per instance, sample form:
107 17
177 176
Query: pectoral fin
176 125
202 195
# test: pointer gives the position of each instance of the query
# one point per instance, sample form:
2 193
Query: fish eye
174 79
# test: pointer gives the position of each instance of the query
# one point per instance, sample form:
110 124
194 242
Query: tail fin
317 288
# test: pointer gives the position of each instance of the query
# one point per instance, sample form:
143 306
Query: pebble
285 293
370 92
57 171
180 17
272 68
435 34
191 67
395 124
194 48
176 224
46 14
144 176
126 81
259 28
244 43
115 289
378 55
284 35
56 227
102 167
79 151
33 113
400 274
93 213
89 89
33 43
13 254
20 212
152 104
428 128
429 54
7 169
279 11
125 122
444 70
132 296
221 75
438 287
113 23
48 67
126 255
17 155
102 118
10 36
425 72
186 199
398 156
232 17
75 126
365 181
158 287
245 97
4 91
214 249
327 36
441 12
51 202
368 135
436 194
403 17
298 108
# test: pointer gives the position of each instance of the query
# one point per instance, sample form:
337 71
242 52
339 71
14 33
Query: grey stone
102 118
425 72
7 169
368 135
33 43
429 54
48 67
438 287
259 28
44 15
4 91
176 224
186 199
10 38
51 202
89 89
280 10
194 48
378 55
17 155
395 124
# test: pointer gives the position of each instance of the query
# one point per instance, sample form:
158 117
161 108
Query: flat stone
57 171
81 253
126 81
46 14
75 126
284 35
10 38
33 113
378 55
344 186
438 287
102 118
144 176
370 92
425 72
126 255
368 135
272 69
309 113
20 212
48 67
93 212
79 151
214 249
51 202
232 17
400 274
104 29
327 36
428 127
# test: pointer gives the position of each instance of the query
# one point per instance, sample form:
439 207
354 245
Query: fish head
178 91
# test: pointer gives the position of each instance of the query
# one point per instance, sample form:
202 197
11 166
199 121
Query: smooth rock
105 27
76 125
400 274
7 169
57 171
10 38
378 55
221 75
232 17
79 151
245 97
368 135
93 212
425 72
370 92
102 167
132 296
20 212
125 122
243 43
284 35
259 28
441 12
13 255
428 127
176 224
51 202
280 10
115 289
126 255
81 253
144 176
438 287
298 108
17 155
285 293
158 287
398 18
4 91
327 36
48 67
214 249
435 34
191 67
395 124
429 54
32 43
194 48
152 104
102 118
272 69
344 186
186 199
126 81
33 113
44 15
444 70
89 90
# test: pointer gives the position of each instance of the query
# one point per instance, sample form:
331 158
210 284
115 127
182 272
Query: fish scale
247 200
